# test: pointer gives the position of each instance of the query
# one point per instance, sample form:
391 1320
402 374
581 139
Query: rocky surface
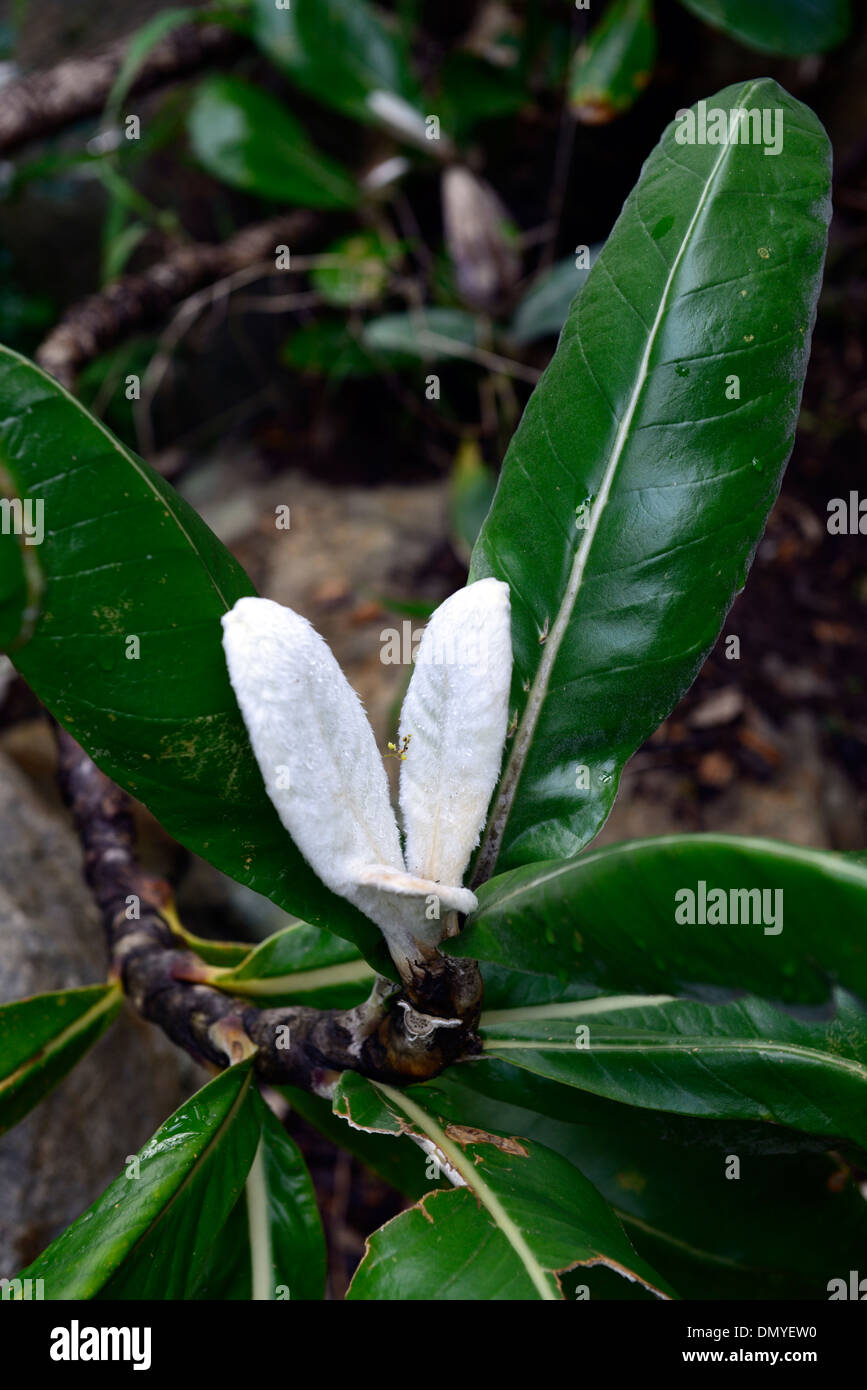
66 1151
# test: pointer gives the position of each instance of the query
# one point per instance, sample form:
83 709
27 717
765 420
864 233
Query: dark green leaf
508 1085
148 1236
301 965
245 137
523 1216
20 576
615 63
635 489
746 1060
618 918
124 556
42 1038
778 26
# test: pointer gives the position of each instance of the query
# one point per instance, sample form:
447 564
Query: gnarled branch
132 302
42 102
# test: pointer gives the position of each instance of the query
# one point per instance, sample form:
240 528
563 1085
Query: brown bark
42 102
133 302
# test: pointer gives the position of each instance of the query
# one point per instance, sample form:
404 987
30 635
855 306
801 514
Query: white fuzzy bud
312 741
455 717
323 772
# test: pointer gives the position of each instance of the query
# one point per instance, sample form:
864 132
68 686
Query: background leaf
42 1038
615 63
473 90
430 334
248 139
338 50
362 273
148 1236
328 348
124 556
635 491
471 490
545 307
778 26
608 919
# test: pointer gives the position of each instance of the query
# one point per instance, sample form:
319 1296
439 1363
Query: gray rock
66 1151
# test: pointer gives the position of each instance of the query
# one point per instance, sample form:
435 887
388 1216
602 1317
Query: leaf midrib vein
696 1044
470 1173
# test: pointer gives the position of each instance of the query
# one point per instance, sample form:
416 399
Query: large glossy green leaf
614 918
247 138
615 64
300 965
522 1215
745 1060
713 1212
125 557
288 1228
635 489
508 1085
149 1234
42 1038
338 50
778 26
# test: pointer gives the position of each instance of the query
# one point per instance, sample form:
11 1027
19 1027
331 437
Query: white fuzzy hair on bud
312 741
455 717
323 772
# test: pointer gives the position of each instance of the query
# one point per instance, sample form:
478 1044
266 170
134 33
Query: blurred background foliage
463 161
455 167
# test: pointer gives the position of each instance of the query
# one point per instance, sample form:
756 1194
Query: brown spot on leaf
464 1134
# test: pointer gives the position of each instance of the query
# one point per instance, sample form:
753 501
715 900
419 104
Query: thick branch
43 102
386 1038
133 302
